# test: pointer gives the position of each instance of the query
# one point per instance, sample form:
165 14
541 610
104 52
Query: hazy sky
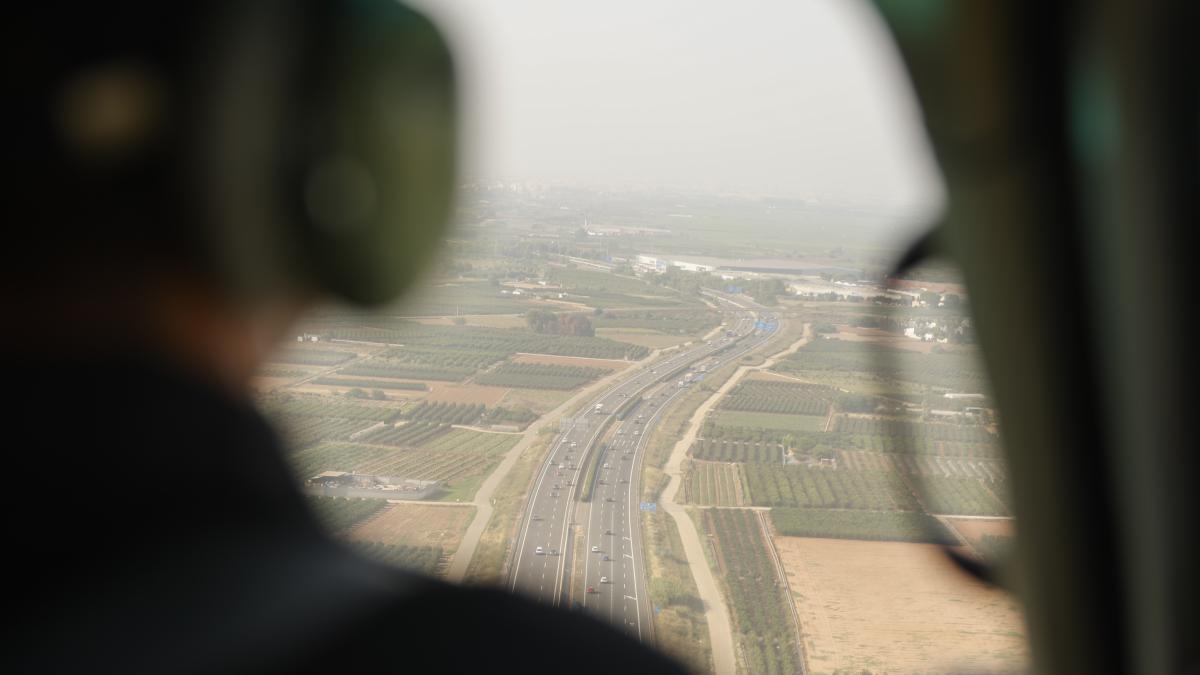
793 97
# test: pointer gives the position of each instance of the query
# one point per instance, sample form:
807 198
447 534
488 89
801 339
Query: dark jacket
154 527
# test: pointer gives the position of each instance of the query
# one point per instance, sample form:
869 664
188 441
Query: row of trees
550 323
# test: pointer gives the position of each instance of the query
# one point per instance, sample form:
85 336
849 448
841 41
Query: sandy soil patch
537 400
610 364
973 529
417 525
465 393
650 339
271 383
893 607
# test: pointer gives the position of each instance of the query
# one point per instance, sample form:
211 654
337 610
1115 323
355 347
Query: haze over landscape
657 375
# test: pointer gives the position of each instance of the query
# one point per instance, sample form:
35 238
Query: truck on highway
599 407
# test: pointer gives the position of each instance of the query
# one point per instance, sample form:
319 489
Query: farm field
897 607
651 339
466 393
540 376
763 420
538 400
769 485
458 458
417 525
485 320
713 484
857 524
788 398
610 364
764 628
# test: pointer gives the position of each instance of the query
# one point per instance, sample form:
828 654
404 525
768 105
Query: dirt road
720 628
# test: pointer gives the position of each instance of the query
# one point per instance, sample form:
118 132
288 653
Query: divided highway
613 584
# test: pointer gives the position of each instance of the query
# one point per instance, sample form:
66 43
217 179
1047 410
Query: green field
757 597
338 514
540 376
712 484
421 559
771 485
762 420
868 525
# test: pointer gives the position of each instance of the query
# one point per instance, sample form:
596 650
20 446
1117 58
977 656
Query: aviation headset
295 145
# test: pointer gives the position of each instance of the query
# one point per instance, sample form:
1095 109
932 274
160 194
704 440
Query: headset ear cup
327 146
373 188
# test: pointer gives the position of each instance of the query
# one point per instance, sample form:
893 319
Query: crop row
338 514
927 465
311 357
874 426
327 407
964 496
389 461
667 321
712 484
468 441
302 431
960 371
756 594
779 397
540 376
408 371
371 384
427 355
420 559
444 412
412 434
497 341
724 432
737 451
771 485
857 524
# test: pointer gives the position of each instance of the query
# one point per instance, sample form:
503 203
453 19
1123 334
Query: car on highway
595 549
539 551
608 532
574 444
609 499
591 589
607 558
606 465
604 580
624 480
637 433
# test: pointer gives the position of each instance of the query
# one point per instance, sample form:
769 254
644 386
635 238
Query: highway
609 525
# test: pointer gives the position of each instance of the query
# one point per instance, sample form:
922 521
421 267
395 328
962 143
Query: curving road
613 583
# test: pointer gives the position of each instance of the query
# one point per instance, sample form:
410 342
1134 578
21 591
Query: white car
604 580
595 549
539 551
606 465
